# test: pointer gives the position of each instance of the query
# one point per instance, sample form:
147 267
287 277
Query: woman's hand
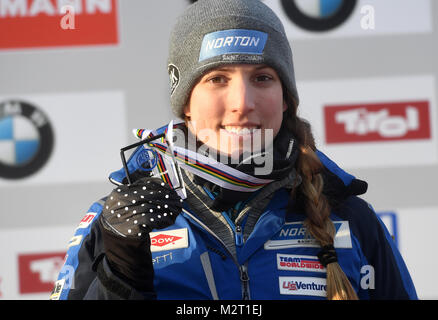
129 214
133 211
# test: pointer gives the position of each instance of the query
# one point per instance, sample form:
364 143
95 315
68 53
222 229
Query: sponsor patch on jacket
57 289
294 234
169 240
299 263
74 241
231 41
86 220
303 286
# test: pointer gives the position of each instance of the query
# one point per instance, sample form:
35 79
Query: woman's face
233 106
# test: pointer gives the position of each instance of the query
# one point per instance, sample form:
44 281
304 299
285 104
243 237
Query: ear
284 106
186 111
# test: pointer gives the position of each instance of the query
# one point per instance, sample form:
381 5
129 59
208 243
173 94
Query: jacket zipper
239 236
243 269
244 279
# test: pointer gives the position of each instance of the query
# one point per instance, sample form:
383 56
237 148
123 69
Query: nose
241 96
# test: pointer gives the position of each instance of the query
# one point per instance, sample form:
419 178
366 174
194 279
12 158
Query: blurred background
76 76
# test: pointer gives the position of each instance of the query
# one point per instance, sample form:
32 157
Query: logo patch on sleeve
230 41
299 263
86 220
74 241
169 240
57 290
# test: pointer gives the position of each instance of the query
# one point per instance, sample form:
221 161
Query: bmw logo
26 139
318 15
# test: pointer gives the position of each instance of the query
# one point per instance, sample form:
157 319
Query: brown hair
314 202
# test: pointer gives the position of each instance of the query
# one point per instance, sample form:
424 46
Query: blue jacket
276 261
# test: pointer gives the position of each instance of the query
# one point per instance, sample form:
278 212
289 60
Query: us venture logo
376 122
26 139
237 41
303 286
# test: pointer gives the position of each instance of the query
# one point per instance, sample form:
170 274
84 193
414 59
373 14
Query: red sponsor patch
163 239
377 122
87 219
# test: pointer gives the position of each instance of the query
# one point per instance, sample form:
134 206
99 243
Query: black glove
129 214
133 211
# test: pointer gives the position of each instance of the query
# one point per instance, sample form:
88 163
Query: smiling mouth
239 130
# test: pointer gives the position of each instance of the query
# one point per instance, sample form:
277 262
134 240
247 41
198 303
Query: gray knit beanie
211 33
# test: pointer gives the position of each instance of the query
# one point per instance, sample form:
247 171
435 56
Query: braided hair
315 204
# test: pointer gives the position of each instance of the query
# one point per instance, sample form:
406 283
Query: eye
217 79
263 78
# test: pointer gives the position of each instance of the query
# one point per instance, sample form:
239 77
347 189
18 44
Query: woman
260 214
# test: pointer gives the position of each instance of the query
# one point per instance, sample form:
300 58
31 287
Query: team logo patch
169 240
303 286
240 41
299 263
26 139
294 234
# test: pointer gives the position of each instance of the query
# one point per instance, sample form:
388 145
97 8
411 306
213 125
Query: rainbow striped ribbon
205 167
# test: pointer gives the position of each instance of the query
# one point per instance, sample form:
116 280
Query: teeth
240 130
